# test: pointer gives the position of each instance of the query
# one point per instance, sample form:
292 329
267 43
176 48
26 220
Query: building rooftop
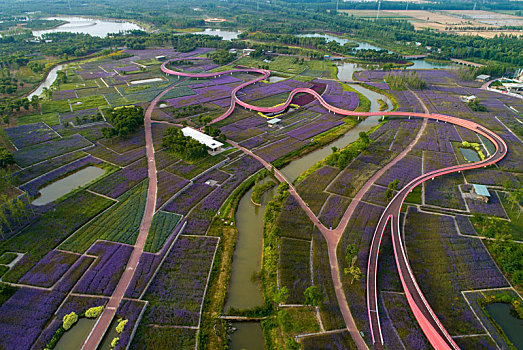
483 77
201 138
273 121
481 190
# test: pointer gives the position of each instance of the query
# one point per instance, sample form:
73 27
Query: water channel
63 186
512 326
91 26
76 335
49 80
243 292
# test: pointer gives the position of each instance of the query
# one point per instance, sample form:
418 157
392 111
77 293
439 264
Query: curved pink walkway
425 316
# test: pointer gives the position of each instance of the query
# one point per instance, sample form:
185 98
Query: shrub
70 320
114 342
94 312
121 325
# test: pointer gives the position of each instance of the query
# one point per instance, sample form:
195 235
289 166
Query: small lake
275 79
91 26
469 154
512 326
71 182
225 34
76 335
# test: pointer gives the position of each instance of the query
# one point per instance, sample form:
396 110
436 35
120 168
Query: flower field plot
445 264
25 315
293 221
50 269
74 274
333 210
30 134
190 170
176 293
64 95
404 323
279 148
162 226
254 141
118 183
103 276
437 160
512 161
144 271
407 101
353 177
32 187
312 187
120 223
125 144
50 149
314 128
71 116
492 208
168 185
376 195
359 232
294 268
444 192
109 156
184 201
129 310
48 118
39 169
407 169
245 128
55 225
329 341
153 337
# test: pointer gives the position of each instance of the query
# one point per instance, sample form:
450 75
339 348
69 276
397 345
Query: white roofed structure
202 138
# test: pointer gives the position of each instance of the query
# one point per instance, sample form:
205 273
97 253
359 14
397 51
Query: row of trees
342 158
405 81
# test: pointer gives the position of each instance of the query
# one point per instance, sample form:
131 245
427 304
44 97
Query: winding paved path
102 324
428 321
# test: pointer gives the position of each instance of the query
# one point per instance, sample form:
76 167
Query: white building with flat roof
204 139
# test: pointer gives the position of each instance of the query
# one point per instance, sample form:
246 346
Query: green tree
6 158
69 320
313 296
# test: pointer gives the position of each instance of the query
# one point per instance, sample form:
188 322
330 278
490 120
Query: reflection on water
91 26
49 80
243 291
76 335
225 34
63 186
248 336
512 326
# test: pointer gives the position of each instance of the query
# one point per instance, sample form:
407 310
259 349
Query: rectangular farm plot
30 134
50 149
314 128
103 276
183 203
118 183
293 221
120 223
50 269
279 148
168 185
294 268
162 226
333 210
312 187
176 294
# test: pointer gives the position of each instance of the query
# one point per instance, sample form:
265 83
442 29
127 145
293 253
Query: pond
470 155
75 336
91 26
63 186
275 79
512 326
225 34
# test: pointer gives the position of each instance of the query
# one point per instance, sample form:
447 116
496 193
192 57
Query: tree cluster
124 120
183 146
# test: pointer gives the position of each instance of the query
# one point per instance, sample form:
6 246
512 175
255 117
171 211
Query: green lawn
48 118
516 217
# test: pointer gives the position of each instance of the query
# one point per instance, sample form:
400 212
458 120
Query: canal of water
243 292
512 326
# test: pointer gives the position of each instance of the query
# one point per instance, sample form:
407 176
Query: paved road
102 324
428 321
